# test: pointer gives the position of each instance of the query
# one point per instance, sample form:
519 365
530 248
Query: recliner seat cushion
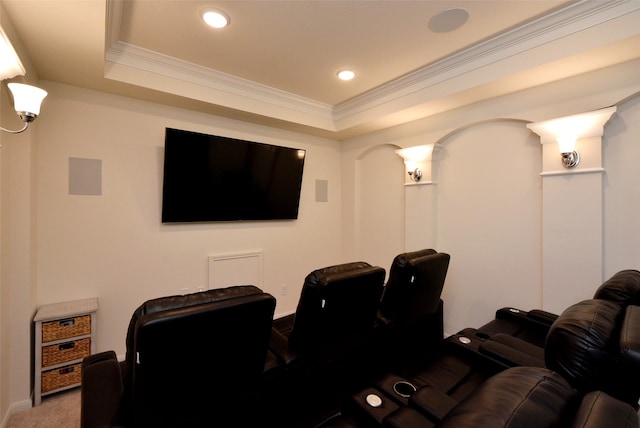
520 397
599 410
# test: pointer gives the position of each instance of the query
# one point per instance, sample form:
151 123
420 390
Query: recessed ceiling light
346 74
215 18
448 20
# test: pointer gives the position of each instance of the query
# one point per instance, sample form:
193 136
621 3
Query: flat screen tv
211 178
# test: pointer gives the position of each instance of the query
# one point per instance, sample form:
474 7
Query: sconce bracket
570 159
24 128
416 174
26 116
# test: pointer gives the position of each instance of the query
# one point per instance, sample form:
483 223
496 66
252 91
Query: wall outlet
284 289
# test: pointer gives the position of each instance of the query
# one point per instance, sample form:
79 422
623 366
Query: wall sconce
413 157
26 101
565 131
570 157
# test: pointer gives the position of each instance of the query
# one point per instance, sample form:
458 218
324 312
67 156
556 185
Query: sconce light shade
566 144
26 101
10 65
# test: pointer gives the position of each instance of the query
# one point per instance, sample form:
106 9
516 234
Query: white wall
621 144
488 190
114 247
487 207
17 244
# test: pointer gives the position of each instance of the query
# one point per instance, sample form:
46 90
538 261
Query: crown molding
120 53
570 20
447 77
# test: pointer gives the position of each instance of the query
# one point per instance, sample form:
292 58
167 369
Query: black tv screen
213 178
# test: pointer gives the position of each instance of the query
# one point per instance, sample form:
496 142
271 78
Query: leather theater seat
532 326
324 345
191 361
410 316
592 356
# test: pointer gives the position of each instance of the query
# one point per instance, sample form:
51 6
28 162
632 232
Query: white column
572 209
420 199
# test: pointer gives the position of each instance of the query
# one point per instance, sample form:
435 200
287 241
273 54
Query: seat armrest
534 317
435 404
279 345
512 352
541 316
101 391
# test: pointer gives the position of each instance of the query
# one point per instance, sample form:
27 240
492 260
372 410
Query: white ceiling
277 61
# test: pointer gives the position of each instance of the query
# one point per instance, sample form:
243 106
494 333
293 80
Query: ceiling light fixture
346 74
215 18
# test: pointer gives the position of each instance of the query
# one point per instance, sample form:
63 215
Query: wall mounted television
209 178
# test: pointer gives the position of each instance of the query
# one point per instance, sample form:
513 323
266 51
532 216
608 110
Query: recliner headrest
582 343
401 260
622 288
325 275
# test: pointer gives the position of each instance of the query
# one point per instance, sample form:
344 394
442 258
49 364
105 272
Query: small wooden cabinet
65 333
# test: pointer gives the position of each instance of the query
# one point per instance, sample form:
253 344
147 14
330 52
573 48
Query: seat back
337 305
414 287
595 344
197 360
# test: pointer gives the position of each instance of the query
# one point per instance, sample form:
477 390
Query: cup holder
404 388
464 340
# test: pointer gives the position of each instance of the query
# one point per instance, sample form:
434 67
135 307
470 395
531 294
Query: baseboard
15 408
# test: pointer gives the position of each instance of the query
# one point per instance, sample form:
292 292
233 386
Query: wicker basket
63 352
62 329
60 378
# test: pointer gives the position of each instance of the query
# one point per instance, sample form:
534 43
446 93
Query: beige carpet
60 410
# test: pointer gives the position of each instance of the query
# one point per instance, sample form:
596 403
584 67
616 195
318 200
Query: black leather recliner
592 377
325 344
194 360
410 316
336 312
532 326
592 356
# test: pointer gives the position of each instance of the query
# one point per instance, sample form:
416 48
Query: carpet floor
60 410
